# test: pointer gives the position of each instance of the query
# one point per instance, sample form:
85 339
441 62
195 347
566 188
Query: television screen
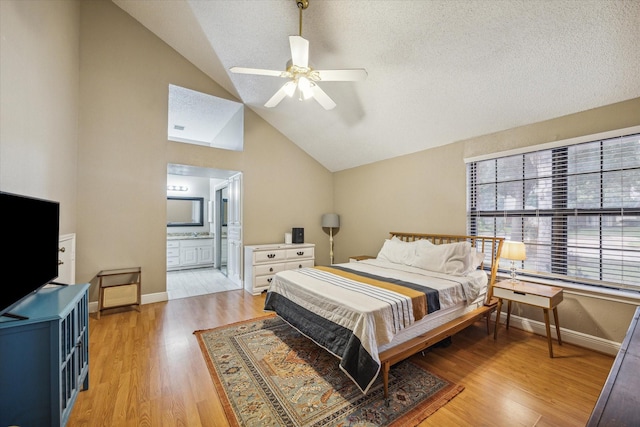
30 248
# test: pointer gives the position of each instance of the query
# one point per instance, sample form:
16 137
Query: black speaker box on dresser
297 235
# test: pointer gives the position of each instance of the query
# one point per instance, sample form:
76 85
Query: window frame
559 213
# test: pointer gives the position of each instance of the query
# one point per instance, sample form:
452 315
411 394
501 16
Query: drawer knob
269 279
271 255
270 269
300 266
300 253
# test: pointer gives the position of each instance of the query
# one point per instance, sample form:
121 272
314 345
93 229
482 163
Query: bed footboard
420 343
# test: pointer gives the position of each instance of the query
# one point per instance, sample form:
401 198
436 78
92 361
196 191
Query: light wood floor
146 369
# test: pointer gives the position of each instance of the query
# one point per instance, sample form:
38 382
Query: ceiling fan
302 77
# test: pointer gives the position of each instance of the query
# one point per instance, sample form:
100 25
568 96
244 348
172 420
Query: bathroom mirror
185 211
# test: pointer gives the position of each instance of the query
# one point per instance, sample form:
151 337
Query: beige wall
39 75
125 74
426 192
84 112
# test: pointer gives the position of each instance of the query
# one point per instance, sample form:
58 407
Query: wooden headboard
485 244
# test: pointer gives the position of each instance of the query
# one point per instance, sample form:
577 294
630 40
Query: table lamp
331 221
514 251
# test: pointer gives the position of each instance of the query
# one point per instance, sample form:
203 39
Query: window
576 208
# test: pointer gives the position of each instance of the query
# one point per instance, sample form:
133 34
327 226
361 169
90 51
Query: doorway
213 185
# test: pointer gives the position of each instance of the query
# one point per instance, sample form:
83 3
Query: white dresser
262 262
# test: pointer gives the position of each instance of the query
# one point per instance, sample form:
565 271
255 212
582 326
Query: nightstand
108 280
545 297
360 258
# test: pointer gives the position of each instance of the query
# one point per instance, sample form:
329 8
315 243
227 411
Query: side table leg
546 323
508 313
100 298
555 318
498 310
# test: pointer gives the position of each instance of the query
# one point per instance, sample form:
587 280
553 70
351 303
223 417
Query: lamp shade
331 220
514 251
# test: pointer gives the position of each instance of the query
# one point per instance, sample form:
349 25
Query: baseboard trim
572 337
145 299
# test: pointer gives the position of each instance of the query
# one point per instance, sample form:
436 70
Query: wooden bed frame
488 245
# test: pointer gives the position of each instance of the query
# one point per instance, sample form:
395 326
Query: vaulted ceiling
439 71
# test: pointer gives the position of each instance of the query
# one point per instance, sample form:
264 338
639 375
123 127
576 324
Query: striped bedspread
351 309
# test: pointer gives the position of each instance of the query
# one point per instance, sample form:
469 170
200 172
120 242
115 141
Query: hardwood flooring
146 369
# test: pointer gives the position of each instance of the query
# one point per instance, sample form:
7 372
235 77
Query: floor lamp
331 221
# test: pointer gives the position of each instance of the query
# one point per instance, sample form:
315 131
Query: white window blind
576 208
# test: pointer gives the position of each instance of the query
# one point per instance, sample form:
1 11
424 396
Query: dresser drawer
299 253
173 244
269 256
262 282
266 269
531 299
303 263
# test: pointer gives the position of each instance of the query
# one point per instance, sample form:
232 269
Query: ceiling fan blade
258 71
322 98
299 51
342 75
285 90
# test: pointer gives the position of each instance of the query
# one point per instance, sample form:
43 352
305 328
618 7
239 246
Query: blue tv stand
44 359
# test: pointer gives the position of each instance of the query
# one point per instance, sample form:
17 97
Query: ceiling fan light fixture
304 86
302 76
290 88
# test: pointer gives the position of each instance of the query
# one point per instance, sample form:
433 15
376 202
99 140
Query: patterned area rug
268 374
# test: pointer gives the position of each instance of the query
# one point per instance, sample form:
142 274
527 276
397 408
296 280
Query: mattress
344 310
434 320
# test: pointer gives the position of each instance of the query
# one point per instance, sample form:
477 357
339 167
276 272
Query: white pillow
476 259
397 251
456 259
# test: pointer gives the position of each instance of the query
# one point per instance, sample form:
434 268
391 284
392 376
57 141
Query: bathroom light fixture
177 188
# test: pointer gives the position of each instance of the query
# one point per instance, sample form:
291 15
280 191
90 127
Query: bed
371 314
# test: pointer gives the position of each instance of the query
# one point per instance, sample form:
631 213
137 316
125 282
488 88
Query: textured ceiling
439 71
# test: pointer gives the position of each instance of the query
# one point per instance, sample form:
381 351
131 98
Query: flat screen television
29 248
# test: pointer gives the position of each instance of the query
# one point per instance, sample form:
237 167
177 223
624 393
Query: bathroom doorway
221 193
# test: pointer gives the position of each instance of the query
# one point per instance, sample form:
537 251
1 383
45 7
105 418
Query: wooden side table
109 279
546 297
